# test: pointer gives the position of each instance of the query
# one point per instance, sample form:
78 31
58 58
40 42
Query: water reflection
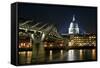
22 58
61 54
94 54
71 55
50 55
29 57
25 57
81 54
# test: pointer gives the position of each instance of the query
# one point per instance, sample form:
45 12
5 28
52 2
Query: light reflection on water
81 54
61 54
25 57
94 54
71 55
50 56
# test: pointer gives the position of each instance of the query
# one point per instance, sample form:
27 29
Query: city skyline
60 16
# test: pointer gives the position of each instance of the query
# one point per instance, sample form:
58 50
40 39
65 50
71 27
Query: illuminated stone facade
82 40
73 28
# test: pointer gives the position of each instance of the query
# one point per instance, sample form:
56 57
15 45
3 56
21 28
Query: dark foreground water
25 57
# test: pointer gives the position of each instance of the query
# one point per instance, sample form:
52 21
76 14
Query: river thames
25 57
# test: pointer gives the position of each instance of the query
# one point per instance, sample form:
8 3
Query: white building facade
73 28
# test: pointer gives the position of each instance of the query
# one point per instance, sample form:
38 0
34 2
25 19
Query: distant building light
45 45
61 44
51 45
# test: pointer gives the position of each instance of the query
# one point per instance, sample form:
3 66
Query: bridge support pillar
38 51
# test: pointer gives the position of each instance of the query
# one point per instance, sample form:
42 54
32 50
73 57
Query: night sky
61 16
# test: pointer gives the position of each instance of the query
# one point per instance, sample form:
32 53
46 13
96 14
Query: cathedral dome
73 28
